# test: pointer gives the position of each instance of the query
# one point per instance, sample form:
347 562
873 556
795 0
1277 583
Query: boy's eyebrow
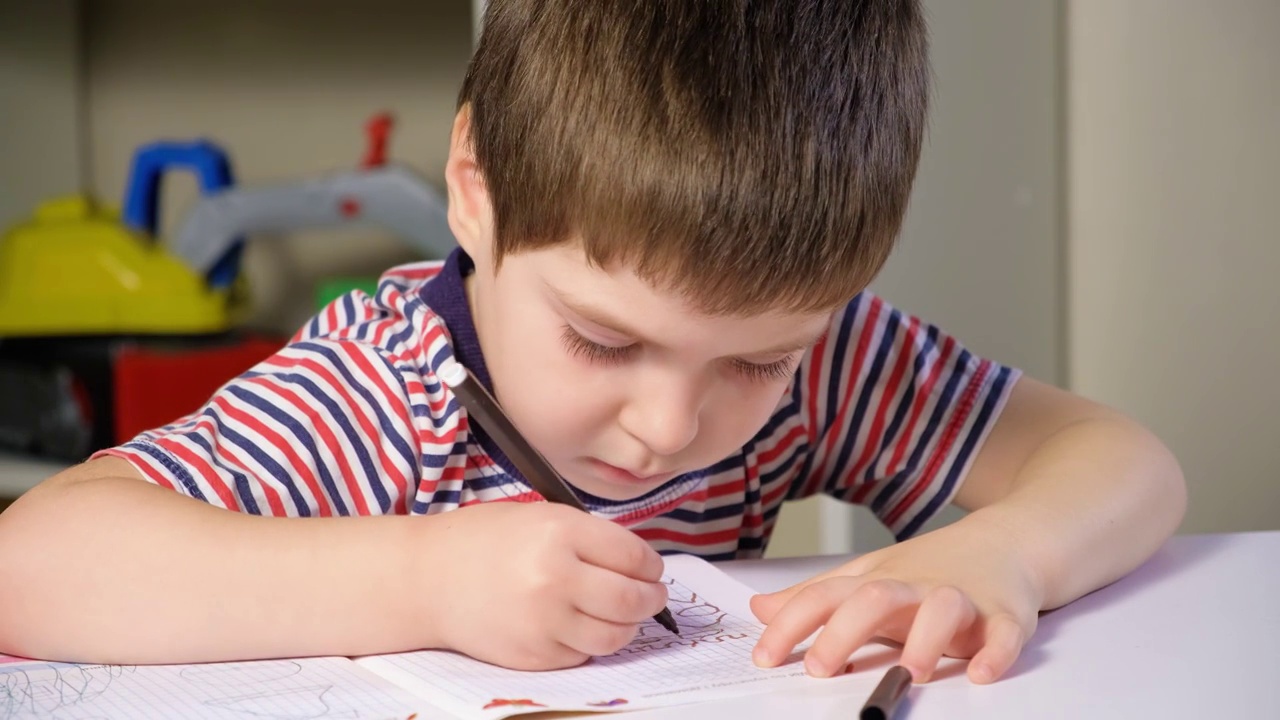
595 315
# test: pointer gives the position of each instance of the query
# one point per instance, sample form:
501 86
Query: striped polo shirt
350 418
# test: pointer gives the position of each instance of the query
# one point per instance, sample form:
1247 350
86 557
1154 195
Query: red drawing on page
608 703
500 702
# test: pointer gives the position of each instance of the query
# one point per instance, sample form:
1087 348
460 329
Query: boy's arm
100 566
1082 492
1066 495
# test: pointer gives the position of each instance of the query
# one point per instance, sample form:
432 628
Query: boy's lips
624 476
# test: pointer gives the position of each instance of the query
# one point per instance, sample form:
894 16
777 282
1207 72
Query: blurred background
1097 201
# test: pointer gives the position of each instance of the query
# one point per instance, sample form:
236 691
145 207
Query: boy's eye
593 351
766 372
580 346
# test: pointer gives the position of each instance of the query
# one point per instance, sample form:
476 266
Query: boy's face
621 386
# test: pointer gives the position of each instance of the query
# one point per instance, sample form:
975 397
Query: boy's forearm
116 570
1090 505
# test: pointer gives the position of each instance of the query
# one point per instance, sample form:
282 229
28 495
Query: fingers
592 636
944 613
612 547
848 607
605 595
1002 643
871 607
552 657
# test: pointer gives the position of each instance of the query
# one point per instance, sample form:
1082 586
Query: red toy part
154 387
378 130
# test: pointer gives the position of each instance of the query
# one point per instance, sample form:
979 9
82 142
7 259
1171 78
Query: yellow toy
74 269
79 269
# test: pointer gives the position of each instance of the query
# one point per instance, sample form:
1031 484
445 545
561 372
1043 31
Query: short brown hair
748 155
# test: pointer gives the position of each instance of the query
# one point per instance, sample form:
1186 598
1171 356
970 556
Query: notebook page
711 659
260 690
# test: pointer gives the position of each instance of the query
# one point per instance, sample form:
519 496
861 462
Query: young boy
668 212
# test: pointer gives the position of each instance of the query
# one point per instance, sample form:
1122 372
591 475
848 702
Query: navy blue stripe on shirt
337 418
306 444
239 479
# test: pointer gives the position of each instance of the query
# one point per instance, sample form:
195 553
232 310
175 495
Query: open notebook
712 659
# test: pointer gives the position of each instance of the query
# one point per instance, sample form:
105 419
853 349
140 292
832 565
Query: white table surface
1193 633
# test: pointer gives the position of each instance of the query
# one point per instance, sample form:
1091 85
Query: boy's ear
470 212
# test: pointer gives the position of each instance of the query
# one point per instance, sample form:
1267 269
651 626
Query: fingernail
814 667
762 657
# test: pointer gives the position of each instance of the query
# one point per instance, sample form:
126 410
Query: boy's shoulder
399 335
398 298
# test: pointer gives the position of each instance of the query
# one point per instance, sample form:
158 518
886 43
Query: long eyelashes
595 352
776 370
609 355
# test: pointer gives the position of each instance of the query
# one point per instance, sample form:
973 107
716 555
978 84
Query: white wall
40 140
1174 236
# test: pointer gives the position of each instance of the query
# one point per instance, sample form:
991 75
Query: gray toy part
390 196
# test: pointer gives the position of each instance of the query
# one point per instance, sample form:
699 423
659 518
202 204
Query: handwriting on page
700 622
267 690
712 654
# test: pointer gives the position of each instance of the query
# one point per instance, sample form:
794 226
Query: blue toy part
212 168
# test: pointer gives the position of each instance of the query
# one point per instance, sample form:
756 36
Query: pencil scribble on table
304 703
259 694
55 690
265 690
238 674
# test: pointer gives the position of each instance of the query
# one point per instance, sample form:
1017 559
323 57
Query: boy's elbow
1177 491
20 573
33 544
1168 485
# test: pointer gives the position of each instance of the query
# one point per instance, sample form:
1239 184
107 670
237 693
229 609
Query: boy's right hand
537 586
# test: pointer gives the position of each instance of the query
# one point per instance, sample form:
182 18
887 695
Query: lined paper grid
261 690
712 658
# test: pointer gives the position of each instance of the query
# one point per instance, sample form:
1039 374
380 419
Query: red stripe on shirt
888 395
917 411
699 540
297 465
944 449
330 442
368 428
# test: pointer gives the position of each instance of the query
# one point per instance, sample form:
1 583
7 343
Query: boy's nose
665 421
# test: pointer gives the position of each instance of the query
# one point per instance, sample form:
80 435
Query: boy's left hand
960 591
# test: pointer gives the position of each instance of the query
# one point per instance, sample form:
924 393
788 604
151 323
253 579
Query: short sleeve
328 425
896 412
